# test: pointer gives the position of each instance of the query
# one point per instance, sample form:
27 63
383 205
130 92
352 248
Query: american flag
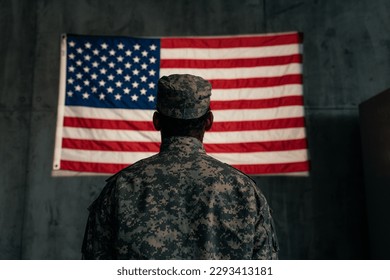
108 91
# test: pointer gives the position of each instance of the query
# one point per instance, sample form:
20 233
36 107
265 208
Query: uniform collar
182 144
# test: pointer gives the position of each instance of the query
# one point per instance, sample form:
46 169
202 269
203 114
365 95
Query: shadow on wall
323 216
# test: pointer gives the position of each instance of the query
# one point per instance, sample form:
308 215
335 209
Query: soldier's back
183 204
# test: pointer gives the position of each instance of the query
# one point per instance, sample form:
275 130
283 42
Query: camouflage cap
183 96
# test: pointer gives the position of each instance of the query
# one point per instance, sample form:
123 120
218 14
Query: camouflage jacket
180 204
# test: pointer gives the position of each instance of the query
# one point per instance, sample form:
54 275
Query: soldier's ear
209 121
157 121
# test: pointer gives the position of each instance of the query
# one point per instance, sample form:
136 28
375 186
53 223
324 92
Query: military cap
183 96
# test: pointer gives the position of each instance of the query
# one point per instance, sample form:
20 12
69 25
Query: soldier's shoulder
231 170
241 173
133 169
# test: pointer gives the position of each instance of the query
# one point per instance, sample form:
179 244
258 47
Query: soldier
180 203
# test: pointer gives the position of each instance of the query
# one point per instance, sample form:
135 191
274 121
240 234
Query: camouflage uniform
180 204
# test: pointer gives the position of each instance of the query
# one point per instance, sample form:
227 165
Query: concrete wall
346 61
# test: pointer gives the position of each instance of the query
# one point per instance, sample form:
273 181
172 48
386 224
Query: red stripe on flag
256 82
217 126
99 145
95 167
258 125
108 124
274 168
231 42
270 146
230 63
249 169
257 104
123 146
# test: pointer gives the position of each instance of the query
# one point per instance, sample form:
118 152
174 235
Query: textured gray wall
346 61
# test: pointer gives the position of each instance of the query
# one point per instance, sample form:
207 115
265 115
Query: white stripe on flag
229 53
258 114
108 113
255 93
236 73
111 134
103 156
230 158
262 157
210 137
254 136
219 115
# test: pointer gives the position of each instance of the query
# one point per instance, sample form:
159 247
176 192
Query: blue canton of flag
112 72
